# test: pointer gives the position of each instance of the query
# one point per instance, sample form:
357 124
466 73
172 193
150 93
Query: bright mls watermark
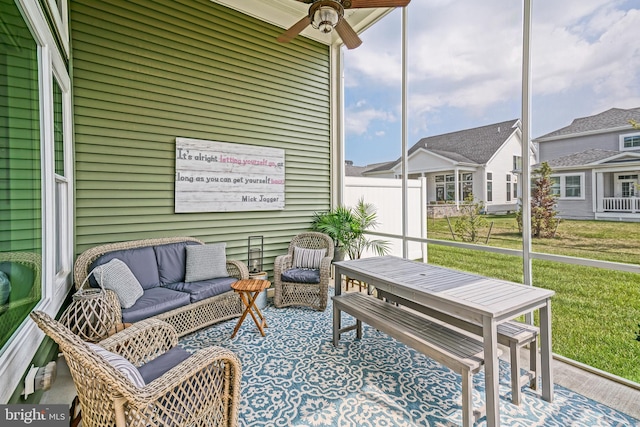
34 415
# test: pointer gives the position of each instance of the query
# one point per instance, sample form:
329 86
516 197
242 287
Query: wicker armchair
307 294
203 390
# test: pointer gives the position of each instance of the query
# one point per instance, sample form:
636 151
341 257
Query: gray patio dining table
483 301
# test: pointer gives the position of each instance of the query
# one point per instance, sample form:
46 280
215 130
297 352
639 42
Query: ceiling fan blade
348 35
361 4
295 29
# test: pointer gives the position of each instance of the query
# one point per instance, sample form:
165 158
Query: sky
465 69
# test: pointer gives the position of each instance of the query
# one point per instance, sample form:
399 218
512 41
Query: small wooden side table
249 291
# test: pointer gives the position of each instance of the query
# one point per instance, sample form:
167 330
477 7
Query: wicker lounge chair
203 390
313 292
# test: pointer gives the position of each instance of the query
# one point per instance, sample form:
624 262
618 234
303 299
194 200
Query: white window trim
563 177
626 135
22 346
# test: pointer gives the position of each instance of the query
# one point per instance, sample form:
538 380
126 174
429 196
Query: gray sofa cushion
301 275
141 261
205 288
155 301
163 363
172 261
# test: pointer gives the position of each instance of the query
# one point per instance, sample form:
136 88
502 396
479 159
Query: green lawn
595 311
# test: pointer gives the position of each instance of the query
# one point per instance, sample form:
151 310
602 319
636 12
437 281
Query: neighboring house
485 161
351 170
596 166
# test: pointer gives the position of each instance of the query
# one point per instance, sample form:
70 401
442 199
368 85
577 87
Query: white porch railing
621 204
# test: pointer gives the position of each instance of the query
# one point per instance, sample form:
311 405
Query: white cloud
467 54
358 122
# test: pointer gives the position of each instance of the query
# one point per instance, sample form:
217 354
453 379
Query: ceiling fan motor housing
325 14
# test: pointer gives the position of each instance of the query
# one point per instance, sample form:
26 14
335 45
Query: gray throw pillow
308 258
206 262
121 364
116 276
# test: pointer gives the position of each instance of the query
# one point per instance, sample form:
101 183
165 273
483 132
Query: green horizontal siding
148 72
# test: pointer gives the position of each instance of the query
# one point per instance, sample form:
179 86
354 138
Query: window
568 186
517 163
555 186
630 141
35 171
489 187
572 186
20 183
445 187
466 185
508 187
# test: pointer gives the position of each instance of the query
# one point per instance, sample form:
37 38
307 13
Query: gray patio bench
461 353
514 335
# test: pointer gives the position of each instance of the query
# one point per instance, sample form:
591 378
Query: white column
526 142
405 168
598 192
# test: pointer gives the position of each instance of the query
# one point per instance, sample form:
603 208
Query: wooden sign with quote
216 176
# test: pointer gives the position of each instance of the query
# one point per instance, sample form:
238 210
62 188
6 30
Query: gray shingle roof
352 170
613 118
582 158
475 145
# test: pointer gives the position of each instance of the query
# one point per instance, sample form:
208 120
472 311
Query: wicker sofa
159 266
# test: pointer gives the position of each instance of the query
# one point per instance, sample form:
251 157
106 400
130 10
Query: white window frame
19 351
563 188
627 135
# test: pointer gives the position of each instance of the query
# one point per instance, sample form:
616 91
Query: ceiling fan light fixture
325 15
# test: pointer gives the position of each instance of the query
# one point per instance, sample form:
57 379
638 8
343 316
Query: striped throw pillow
307 258
120 363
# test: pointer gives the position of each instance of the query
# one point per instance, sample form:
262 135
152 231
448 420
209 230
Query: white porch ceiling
285 13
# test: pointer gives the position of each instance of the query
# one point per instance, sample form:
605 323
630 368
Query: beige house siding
148 72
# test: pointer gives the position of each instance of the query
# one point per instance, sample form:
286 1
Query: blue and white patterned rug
296 377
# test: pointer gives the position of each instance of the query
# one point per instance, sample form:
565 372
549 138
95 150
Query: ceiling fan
325 15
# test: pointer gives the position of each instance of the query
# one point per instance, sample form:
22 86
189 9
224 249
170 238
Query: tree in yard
543 211
471 220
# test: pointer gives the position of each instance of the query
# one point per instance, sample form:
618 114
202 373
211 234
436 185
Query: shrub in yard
471 220
543 211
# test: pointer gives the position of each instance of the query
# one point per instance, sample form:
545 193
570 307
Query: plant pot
338 254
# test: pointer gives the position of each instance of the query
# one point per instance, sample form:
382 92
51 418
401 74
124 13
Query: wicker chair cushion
120 363
205 288
307 258
301 275
154 302
161 364
116 276
172 261
141 261
21 278
206 262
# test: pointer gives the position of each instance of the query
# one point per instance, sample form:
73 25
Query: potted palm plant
347 226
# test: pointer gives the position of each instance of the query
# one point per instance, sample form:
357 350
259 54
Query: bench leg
467 399
336 325
358 329
515 373
534 363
